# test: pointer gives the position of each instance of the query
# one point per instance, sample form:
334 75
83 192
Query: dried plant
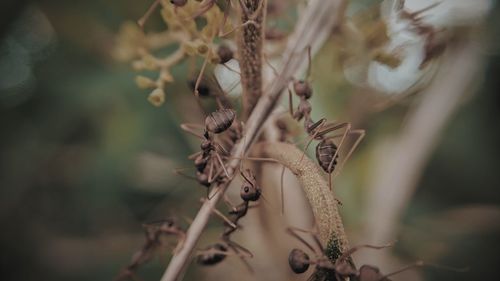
229 137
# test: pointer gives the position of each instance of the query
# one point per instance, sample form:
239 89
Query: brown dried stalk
250 41
317 22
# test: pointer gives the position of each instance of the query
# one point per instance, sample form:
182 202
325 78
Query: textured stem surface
316 189
250 42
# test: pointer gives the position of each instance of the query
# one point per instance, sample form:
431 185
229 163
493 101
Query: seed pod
302 89
250 192
178 3
210 255
220 120
298 261
225 53
325 150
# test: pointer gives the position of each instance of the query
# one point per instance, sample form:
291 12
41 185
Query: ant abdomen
298 261
178 3
212 255
325 151
220 120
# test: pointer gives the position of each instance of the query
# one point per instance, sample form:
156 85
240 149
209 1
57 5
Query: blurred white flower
228 77
417 31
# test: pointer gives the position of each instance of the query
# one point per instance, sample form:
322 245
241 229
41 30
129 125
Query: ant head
302 89
250 192
298 261
225 53
205 145
178 3
212 255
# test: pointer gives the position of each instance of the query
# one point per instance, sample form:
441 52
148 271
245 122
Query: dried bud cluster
192 41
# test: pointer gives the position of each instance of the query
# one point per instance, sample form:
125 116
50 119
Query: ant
216 253
343 266
216 123
153 233
326 150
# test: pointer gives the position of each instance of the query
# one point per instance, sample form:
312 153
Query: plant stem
313 28
250 41
316 189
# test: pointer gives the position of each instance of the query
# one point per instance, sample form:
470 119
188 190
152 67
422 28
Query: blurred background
85 159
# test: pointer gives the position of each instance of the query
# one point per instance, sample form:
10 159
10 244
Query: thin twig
316 24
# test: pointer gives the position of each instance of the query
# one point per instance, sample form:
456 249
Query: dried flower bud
167 77
149 62
157 97
190 48
202 48
138 65
144 82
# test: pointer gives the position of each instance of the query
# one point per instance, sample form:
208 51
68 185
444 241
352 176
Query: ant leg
282 191
200 75
410 266
261 159
309 60
232 70
316 128
148 13
188 127
246 252
221 149
266 60
349 252
204 7
294 232
222 164
178 171
180 243
211 176
290 100
228 202
248 22
220 215
194 155
360 135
